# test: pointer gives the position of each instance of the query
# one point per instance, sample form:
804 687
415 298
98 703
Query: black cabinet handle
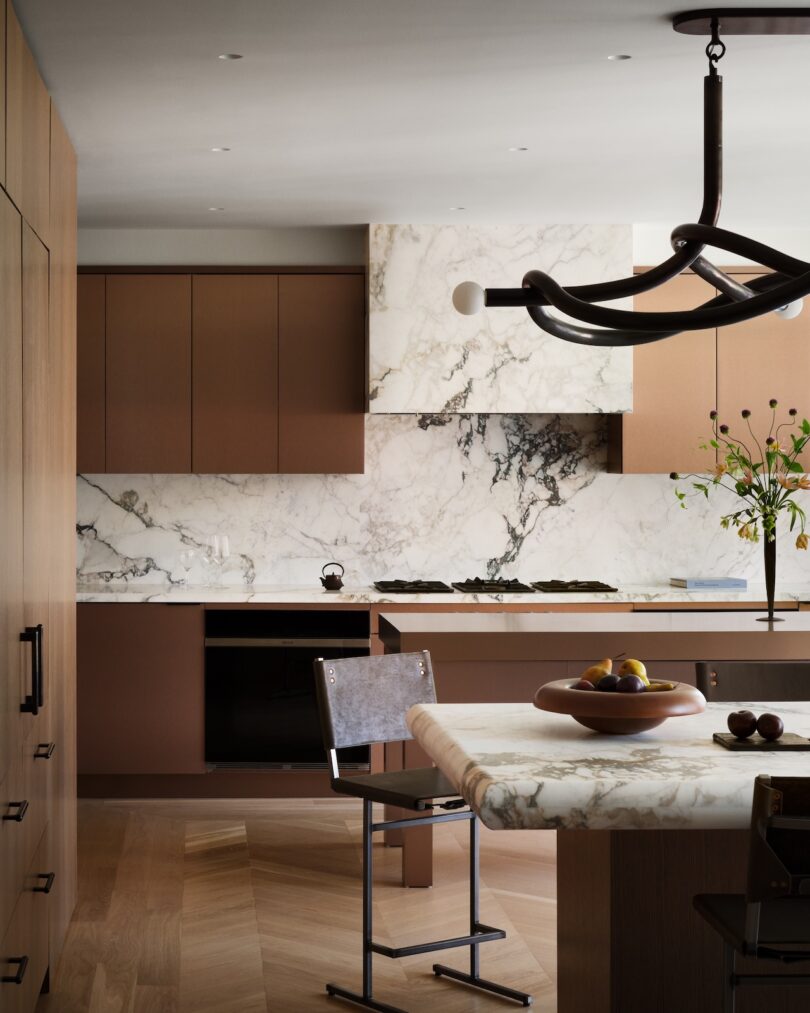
22 967
49 877
44 750
22 809
33 635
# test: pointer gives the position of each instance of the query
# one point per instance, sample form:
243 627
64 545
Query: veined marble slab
521 768
297 594
426 357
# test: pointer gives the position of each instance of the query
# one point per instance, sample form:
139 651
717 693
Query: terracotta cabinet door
28 130
90 378
674 389
140 689
322 373
762 359
235 373
148 370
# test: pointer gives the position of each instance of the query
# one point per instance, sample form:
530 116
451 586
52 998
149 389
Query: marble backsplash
443 496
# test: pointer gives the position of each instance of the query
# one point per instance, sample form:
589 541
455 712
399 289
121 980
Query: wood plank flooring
235 906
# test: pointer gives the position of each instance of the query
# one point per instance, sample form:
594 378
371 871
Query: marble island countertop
366 594
522 768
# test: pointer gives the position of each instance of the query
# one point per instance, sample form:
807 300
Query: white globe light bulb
793 309
468 298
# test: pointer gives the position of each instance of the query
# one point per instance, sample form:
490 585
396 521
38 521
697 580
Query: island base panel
629 940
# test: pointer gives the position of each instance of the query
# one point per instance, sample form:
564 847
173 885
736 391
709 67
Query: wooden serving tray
756 744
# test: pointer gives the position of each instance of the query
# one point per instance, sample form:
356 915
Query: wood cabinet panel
148 371
28 130
140 689
758 360
38 466
91 380
674 389
60 769
2 93
235 373
26 936
322 371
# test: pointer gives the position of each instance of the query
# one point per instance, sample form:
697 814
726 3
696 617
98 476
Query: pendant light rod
780 292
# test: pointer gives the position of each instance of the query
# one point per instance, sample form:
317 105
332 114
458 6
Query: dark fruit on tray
770 726
608 683
583 684
630 684
743 724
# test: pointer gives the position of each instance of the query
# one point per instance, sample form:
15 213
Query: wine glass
187 557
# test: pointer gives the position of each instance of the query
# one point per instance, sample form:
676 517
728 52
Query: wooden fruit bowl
618 713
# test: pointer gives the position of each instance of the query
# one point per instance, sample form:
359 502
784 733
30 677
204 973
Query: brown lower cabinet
225 373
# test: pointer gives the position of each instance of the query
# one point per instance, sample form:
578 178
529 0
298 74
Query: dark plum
630 684
743 724
583 684
770 726
608 683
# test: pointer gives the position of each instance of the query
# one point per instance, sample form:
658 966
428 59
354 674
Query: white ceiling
350 111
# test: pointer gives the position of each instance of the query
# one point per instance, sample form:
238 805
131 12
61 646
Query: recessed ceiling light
620 56
518 149
229 56
216 209
458 208
220 149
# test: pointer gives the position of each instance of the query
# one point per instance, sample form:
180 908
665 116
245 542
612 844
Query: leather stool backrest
364 700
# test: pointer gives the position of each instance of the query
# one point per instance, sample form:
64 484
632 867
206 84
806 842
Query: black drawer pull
44 750
22 809
49 877
22 967
33 635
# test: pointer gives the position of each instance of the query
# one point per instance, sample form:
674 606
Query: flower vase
769 548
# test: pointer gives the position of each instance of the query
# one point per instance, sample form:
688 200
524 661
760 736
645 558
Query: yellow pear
595 673
634 667
607 664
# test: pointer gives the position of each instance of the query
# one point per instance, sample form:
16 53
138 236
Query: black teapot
332 581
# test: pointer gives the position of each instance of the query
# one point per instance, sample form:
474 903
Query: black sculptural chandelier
780 291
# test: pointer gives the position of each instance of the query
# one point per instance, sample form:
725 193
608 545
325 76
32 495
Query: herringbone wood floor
251 906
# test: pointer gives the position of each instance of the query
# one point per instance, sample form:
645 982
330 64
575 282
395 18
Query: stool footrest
482 934
360 1000
440 970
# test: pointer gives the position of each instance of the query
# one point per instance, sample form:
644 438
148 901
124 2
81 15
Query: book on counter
710 583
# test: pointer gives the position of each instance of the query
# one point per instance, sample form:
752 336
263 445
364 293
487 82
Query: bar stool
364 700
771 921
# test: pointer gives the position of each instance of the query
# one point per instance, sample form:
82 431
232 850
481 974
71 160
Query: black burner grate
480 586
571 586
413 587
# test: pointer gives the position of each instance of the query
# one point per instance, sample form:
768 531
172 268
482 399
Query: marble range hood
426 358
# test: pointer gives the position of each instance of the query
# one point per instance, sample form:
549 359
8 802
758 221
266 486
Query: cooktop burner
413 587
558 586
480 586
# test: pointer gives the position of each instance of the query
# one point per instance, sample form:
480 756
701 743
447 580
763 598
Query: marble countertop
312 594
521 768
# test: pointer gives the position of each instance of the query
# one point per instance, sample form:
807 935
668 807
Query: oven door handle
284 642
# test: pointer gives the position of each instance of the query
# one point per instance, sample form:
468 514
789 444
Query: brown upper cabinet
233 373
322 367
28 131
91 382
148 373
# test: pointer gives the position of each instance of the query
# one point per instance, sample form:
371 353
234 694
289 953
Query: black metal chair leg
728 978
365 1000
474 978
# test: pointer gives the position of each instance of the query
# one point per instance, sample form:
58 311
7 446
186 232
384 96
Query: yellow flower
789 483
803 482
718 470
802 541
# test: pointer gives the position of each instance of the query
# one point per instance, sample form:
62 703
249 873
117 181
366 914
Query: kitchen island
644 822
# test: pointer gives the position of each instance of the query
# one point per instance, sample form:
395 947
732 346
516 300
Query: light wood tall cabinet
679 380
37 533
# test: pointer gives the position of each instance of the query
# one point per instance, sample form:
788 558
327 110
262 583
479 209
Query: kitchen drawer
34 782
11 846
27 939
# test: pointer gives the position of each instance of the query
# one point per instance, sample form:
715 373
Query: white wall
344 245
651 243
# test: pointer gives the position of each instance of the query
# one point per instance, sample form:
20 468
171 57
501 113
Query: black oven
260 704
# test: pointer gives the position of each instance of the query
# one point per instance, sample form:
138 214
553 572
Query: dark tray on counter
790 742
